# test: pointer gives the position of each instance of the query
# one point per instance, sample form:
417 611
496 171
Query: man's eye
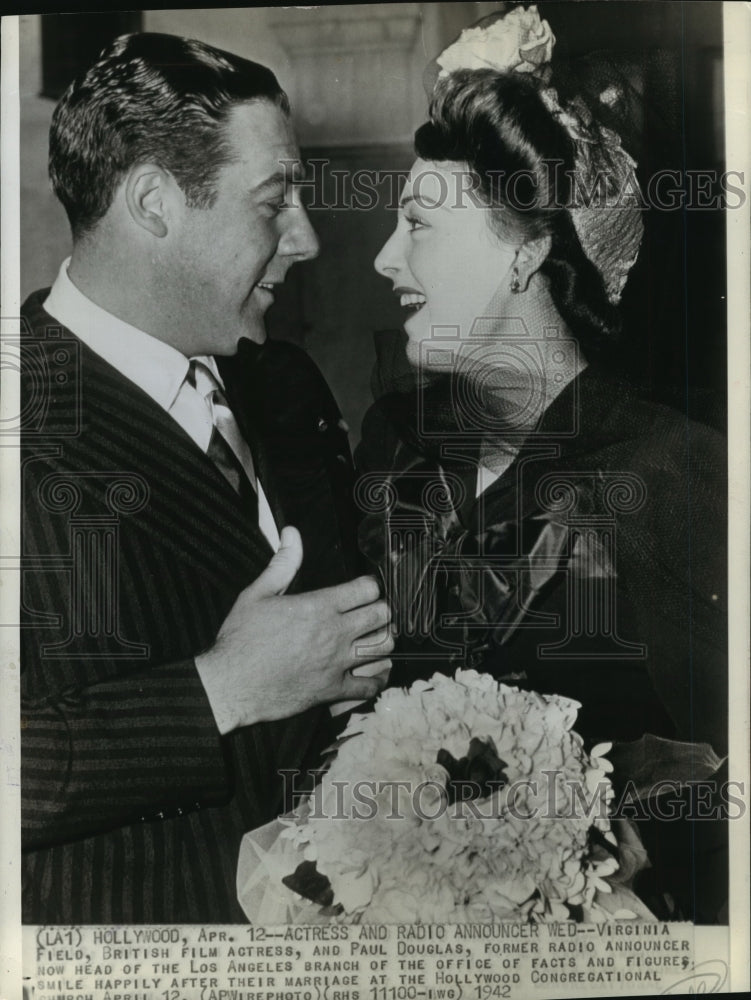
276 205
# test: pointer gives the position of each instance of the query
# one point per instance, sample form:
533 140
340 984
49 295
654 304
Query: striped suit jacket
134 550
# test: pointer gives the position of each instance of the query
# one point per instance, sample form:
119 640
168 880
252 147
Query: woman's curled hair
522 162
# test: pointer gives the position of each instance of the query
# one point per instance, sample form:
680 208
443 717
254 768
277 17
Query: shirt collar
150 363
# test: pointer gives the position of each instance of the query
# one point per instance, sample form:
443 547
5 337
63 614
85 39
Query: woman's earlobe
529 259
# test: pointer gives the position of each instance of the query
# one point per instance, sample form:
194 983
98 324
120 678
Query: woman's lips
410 298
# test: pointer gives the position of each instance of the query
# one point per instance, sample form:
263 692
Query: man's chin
255 330
256 336
230 348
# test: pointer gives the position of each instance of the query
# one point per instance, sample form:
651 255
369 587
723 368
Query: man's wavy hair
149 98
522 162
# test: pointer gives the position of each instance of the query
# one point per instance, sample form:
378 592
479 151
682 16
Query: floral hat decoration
607 204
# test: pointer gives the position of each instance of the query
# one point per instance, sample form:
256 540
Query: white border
737 80
10 829
737 45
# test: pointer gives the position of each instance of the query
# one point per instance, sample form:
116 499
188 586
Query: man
167 675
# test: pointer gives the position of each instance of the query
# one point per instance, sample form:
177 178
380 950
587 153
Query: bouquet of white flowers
460 800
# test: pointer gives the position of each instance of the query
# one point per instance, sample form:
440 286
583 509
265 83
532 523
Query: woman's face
445 262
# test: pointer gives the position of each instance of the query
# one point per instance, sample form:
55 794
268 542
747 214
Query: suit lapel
191 509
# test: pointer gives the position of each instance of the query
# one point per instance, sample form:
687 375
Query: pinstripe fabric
134 550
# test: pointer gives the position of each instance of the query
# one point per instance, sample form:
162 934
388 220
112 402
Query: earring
516 285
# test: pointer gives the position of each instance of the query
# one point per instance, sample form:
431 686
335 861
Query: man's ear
148 192
530 257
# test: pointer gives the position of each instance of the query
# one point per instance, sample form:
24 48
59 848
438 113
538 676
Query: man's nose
387 261
300 240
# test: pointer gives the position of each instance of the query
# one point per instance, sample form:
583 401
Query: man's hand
275 655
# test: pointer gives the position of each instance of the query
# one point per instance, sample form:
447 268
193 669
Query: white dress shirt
157 368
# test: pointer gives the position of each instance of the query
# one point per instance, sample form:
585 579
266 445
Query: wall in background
45 239
351 71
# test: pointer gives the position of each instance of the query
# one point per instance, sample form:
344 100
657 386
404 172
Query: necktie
228 449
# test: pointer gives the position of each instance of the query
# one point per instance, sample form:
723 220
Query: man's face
226 260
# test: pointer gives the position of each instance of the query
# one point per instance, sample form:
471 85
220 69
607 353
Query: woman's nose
387 261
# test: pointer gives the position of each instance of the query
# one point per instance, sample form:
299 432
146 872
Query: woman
538 520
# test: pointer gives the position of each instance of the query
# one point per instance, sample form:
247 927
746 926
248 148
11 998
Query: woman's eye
413 223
